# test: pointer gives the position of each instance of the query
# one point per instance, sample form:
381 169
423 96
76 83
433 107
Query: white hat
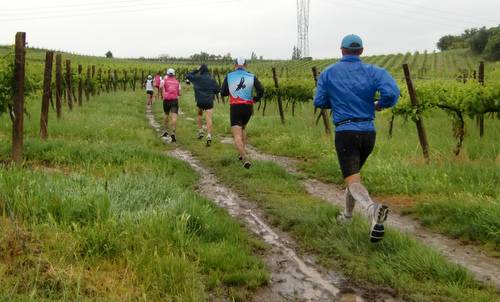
150 76
240 61
171 71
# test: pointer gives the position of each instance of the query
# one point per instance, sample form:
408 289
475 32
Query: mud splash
483 267
292 277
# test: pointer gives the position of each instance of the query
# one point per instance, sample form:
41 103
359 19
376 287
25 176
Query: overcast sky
134 28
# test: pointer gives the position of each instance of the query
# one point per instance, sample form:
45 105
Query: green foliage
471 98
6 82
479 40
492 49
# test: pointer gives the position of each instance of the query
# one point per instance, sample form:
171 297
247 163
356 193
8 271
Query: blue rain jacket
349 87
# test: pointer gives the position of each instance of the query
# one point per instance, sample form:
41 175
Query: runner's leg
199 118
165 121
208 118
238 140
174 122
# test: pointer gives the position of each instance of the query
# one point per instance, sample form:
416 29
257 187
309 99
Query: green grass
98 212
415 271
458 196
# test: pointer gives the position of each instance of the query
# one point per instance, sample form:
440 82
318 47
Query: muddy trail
293 277
482 266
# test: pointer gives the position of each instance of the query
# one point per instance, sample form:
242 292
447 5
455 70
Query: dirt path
485 268
293 278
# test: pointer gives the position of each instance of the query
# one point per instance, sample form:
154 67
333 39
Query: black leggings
353 148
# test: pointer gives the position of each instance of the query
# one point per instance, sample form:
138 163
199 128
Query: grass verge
98 212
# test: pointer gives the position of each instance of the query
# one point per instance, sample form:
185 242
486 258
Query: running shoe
378 216
200 134
173 138
240 158
165 134
209 141
247 164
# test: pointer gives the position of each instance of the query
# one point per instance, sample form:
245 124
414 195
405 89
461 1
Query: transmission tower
303 27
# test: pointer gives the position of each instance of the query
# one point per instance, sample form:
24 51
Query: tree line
482 41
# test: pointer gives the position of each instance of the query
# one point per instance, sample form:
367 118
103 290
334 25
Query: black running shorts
353 148
205 106
240 114
150 92
170 106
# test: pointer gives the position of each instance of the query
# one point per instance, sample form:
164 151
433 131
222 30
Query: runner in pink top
156 82
170 91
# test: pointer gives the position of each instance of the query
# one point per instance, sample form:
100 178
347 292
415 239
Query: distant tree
109 54
492 49
261 58
479 40
451 42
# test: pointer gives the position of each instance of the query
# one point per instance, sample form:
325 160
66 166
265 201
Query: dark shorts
171 106
150 92
205 106
240 114
353 148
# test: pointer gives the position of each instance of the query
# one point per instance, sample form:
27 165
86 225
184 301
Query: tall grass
98 212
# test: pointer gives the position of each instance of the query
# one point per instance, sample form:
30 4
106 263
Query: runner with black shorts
239 85
205 88
171 90
348 88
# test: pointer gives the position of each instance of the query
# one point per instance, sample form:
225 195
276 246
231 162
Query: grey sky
183 27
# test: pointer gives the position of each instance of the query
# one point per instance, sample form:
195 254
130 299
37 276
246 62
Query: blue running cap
352 42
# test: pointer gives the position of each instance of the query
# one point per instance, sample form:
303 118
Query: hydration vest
240 83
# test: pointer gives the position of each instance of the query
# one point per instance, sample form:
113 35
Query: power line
117 9
374 9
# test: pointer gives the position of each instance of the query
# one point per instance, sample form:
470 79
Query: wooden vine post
142 79
134 82
19 76
480 79
80 85
280 104
93 91
59 85
108 82
87 84
47 81
418 118
69 84
99 79
220 84
324 112
125 80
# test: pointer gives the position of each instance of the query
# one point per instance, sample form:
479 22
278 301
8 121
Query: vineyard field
104 208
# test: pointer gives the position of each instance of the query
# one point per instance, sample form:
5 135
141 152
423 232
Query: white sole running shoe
378 217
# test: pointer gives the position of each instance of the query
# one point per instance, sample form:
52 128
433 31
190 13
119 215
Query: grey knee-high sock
350 202
361 195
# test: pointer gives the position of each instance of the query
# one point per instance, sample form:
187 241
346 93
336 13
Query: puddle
292 277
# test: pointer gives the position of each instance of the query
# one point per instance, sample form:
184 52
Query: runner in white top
149 89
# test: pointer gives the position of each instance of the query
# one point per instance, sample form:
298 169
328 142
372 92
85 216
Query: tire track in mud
483 267
292 277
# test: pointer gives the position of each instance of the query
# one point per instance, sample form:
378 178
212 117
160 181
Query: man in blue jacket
205 88
348 88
